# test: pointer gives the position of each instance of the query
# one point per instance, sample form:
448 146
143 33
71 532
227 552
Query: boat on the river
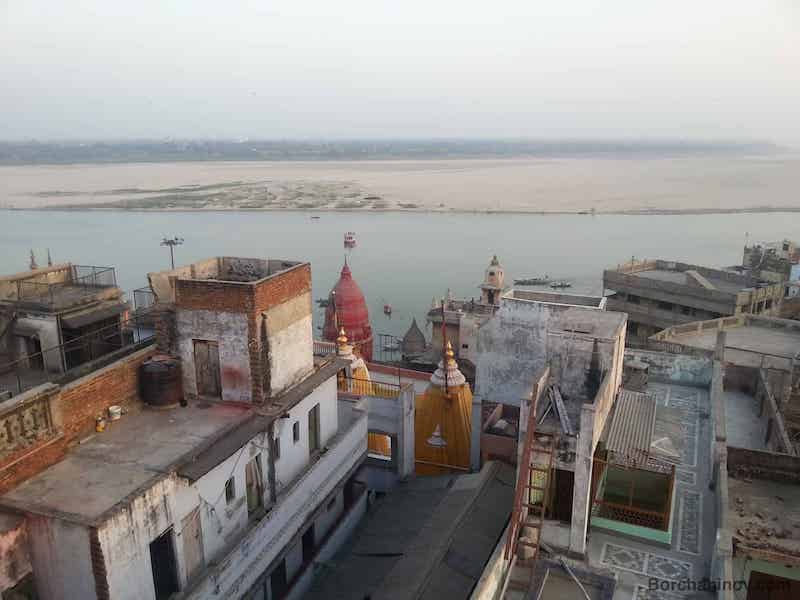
533 281
560 284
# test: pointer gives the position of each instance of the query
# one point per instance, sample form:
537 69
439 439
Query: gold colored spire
342 339
451 361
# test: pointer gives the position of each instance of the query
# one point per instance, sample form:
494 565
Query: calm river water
402 258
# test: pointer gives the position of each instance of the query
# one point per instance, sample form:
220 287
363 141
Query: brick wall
256 297
75 407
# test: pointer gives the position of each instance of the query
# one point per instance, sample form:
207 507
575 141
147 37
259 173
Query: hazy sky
403 68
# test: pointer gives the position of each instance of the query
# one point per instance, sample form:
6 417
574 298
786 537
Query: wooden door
206 364
771 587
192 535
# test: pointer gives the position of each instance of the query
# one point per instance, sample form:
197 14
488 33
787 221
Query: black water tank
160 381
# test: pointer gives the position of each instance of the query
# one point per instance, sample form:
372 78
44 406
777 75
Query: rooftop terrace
227 269
98 476
764 504
677 272
748 339
59 287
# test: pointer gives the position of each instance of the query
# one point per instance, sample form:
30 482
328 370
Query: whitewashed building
235 495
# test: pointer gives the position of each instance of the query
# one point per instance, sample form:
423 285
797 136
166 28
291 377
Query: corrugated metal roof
633 424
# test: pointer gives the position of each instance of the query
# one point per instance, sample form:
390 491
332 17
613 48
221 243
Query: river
404 259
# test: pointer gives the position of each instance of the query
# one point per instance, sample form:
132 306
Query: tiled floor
647 571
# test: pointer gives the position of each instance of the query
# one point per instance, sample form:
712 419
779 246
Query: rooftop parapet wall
760 464
219 269
727 323
10 284
631 268
558 299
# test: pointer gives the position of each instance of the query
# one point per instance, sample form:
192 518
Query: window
313 429
296 431
254 485
665 305
687 310
465 346
230 491
633 299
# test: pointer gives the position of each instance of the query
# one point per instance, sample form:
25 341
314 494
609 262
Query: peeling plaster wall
523 337
60 574
512 349
15 558
125 539
289 345
230 331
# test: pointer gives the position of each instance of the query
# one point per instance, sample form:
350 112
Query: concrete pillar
719 349
580 503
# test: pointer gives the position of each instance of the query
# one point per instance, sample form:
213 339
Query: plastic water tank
160 381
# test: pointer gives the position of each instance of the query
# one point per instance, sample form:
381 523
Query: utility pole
171 243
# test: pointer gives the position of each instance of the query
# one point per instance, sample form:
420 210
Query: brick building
237 494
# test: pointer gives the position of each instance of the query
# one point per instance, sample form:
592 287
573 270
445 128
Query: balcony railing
365 387
323 348
24 423
80 281
57 362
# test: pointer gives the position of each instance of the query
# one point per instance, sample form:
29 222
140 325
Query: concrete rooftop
429 538
751 337
765 514
680 278
101 474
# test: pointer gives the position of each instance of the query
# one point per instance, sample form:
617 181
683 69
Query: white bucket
114 412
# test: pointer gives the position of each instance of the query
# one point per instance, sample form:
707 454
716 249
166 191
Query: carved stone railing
27 419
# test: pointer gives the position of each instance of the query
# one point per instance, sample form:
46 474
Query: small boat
533 281
323 302
350 239
387 309
314 217
560 284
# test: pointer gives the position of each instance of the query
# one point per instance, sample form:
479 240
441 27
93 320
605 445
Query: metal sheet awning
633 425
86 317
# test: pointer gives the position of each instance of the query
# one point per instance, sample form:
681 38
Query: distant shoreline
543 187
423 210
